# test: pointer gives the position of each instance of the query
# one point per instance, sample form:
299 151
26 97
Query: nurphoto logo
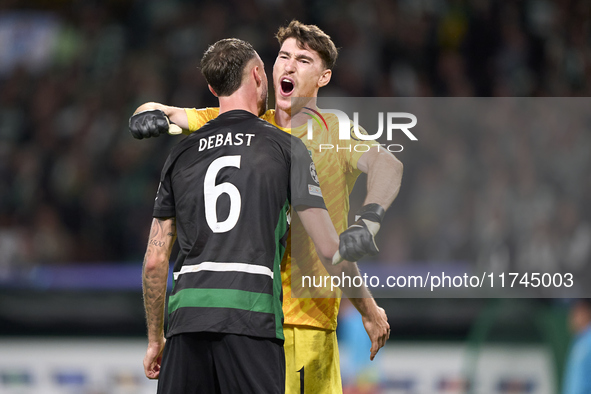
348 129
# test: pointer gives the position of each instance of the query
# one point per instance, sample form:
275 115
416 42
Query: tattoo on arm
155 274
159 228
154 242
172 230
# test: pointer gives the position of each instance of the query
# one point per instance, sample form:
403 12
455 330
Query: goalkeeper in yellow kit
303 66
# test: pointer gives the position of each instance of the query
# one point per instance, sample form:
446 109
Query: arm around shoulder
176 115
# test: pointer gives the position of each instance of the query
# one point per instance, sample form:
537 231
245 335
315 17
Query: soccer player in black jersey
225 192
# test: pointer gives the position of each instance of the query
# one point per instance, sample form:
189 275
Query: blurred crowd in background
76 187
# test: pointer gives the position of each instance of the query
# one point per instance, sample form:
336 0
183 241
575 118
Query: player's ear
324 78
212 91
256 75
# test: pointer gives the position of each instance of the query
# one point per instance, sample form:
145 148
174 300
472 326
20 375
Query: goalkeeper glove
151 123
359 239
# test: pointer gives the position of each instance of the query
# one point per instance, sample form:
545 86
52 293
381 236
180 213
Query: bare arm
384 176
317 223
154 278
319 227
176 115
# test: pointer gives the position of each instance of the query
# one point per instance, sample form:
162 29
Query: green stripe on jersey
221 298
280 231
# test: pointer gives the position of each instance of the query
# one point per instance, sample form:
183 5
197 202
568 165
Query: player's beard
264 101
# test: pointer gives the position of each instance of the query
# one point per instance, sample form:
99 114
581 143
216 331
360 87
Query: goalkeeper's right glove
148 124
359 239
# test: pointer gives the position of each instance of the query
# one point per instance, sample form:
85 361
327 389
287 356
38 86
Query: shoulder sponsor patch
314 190
313 173
353 135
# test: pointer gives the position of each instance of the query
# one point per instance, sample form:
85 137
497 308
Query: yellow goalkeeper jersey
337 172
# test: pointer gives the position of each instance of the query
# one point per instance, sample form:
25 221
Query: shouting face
298 72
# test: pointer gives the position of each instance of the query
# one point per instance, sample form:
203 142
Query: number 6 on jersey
212 192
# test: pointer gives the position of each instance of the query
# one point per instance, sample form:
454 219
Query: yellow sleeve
198 117
354 149
350 155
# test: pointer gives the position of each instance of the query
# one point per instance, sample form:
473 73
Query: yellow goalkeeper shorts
311 361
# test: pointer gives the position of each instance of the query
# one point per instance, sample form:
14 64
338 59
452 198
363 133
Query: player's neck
290 117
231 105
282 118
239 100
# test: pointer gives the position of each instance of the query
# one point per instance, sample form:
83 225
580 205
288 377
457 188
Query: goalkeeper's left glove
359 239
151 123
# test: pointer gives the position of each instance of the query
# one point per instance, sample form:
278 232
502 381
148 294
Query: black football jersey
229 187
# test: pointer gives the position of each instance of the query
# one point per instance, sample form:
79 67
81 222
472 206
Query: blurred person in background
577 378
